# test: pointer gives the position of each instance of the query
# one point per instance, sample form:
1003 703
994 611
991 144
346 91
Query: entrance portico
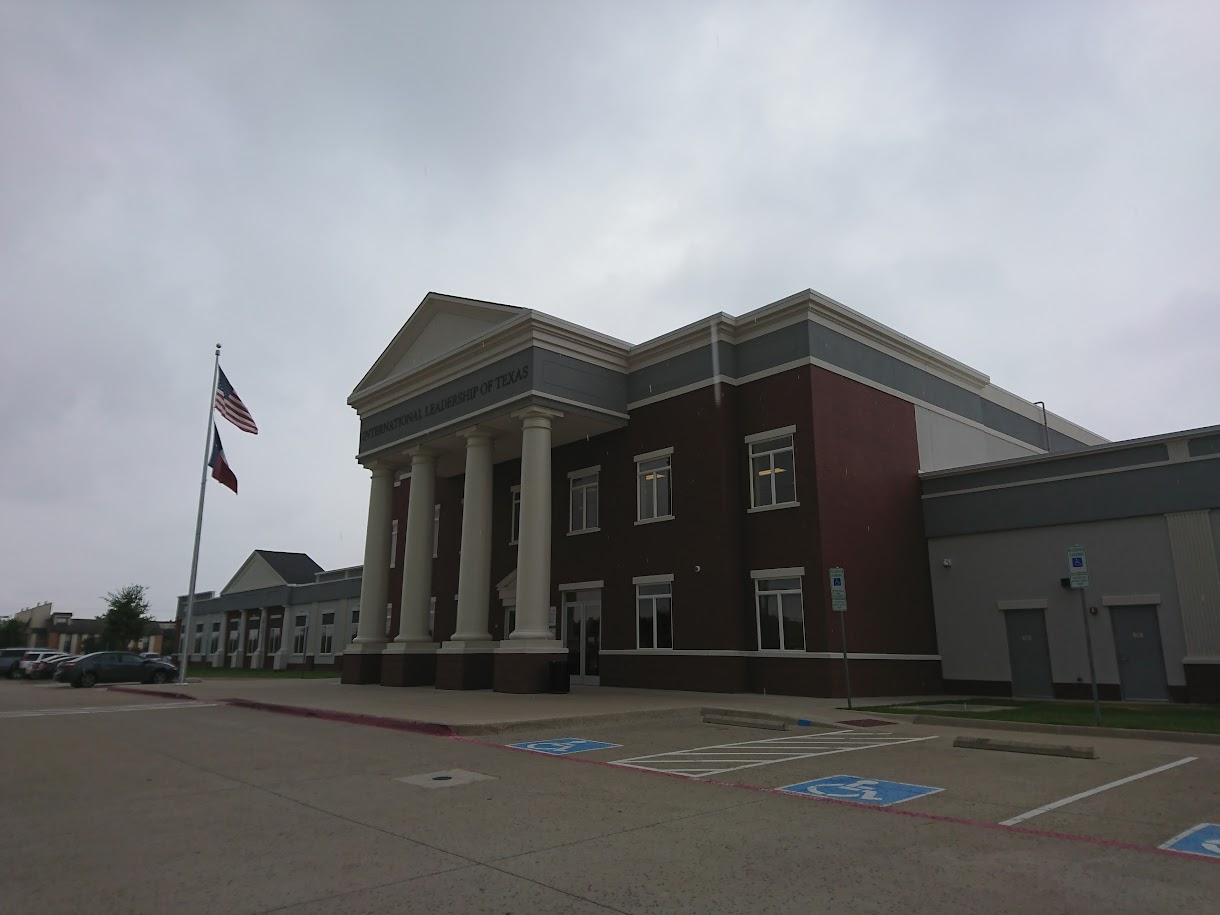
467 386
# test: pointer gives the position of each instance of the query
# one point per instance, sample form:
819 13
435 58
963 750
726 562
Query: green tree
13 633
126 617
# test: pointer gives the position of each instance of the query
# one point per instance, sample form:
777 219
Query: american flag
229 405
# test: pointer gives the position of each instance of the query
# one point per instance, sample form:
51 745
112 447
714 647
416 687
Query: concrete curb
376 721
1014 746
942 721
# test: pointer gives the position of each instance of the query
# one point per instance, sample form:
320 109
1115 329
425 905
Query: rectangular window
214 644
436 530
326 645
355 625
654 615
273 640
781 616
252 641
772 473
198 649
234 635
653 490
516 522
300 634
393 542
583 502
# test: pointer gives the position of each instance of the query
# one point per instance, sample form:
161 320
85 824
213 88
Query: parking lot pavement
221 809
977 785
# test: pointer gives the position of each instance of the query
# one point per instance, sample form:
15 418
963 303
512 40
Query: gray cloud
1030 188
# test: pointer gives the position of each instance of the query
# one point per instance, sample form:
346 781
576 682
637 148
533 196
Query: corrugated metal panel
1198 577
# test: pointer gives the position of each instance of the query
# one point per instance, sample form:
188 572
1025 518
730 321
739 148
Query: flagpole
203 489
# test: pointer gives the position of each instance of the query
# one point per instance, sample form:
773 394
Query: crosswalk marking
700 762
103 709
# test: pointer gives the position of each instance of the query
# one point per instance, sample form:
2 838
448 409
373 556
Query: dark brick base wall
408 669
464 671
527 672
796 676
1202 683
361 668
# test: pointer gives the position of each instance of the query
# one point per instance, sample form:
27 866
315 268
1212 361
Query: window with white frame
198 649
583 500
326 643
772 472
515 535
274 637
214 643
234 635
355 625
252 641
653 474
654 615
436 530
300 634
393 542
781 615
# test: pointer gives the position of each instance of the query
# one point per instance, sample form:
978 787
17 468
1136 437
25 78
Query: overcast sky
1031 188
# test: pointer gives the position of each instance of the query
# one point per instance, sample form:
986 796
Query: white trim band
582 585
649 455
774 433
584 471
653 580
794 572
1131 600
772 653
1021 605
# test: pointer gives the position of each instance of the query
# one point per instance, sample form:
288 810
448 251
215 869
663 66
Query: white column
534 543
239 654
474 573
287 625
218 659
261 651
375 584
417 557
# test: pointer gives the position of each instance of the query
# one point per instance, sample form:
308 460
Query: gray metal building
1147 512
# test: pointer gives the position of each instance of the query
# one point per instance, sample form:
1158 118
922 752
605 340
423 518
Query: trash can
560 681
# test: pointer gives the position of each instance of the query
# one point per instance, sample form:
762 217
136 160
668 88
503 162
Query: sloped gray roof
294 568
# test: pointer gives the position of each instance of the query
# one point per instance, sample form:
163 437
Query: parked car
113 667
9 659
44 668
32 657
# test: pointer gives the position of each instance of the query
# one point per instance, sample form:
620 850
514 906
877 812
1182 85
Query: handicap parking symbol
1203 840
563 746
872 791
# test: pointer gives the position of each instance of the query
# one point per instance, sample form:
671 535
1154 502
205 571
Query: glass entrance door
582 633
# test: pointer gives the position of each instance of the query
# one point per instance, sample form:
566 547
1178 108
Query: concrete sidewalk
486 712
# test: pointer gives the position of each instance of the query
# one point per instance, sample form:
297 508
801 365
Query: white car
31 657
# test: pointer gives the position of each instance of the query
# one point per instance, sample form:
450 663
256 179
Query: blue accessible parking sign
1203 840
872 791
562 746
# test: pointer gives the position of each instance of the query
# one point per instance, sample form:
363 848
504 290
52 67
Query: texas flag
221 471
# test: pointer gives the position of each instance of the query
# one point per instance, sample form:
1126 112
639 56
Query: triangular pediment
439 325
507 589
254 573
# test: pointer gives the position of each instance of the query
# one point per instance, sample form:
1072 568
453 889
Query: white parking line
1083 794
103 709
714 760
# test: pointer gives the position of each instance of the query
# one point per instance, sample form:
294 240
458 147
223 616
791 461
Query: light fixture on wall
947 563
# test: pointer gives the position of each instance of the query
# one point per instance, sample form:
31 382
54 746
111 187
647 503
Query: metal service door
582 627
1029 653
1141 662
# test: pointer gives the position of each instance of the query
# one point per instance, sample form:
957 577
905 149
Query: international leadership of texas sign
498 382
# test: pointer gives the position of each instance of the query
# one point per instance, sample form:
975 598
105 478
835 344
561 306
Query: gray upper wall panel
1204 445
1155 490
1045 468
584 382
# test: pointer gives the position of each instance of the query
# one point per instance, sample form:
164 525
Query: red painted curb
374 721
144 692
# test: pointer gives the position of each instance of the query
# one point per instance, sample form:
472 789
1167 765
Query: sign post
838 603
1078 574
